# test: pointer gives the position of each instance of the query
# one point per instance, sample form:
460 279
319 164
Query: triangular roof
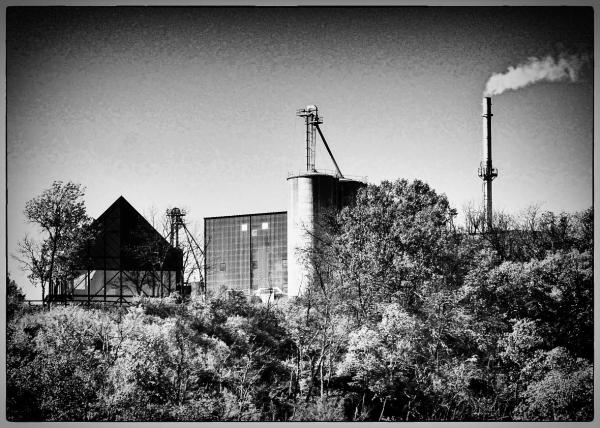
125 240
129 217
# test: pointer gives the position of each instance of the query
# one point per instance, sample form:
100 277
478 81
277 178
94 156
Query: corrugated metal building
246 253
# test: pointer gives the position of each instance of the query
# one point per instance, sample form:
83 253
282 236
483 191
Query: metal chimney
486 171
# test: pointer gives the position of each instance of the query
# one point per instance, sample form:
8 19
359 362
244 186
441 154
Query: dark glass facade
126 258
246 252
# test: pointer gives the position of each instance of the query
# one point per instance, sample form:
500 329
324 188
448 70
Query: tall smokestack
486 171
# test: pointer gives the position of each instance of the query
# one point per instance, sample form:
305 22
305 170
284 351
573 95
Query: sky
195 107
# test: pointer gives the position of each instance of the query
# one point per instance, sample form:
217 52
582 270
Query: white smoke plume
536 70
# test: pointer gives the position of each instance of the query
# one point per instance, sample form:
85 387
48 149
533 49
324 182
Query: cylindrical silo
311 195
348 189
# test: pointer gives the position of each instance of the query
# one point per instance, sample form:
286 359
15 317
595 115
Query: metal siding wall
227 243
269 249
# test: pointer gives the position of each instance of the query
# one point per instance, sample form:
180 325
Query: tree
474 218
560 388
557 291
14 297
34 258
532 233
394 258
59 212
550 385
395 241
395 255
56 364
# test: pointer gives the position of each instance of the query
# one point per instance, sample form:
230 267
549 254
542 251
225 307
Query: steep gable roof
125 240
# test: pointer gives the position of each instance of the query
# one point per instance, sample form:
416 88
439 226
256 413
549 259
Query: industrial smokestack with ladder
486 171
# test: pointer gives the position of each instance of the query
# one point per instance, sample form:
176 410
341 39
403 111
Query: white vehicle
268 294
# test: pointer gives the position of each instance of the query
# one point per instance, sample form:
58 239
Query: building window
244 227
254 232
265 225
222 267
284 263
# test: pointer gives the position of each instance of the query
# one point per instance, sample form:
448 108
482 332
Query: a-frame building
126 258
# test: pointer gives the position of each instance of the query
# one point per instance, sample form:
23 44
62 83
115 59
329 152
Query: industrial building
263 254
127 257
259 254
246 253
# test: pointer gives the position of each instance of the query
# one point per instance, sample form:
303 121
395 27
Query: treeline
407 319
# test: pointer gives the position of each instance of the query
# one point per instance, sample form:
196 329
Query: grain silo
312 194
348 188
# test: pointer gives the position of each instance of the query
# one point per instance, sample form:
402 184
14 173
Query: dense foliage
60 216
407 319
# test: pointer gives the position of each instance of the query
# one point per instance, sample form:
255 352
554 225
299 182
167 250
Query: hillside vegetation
408 319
